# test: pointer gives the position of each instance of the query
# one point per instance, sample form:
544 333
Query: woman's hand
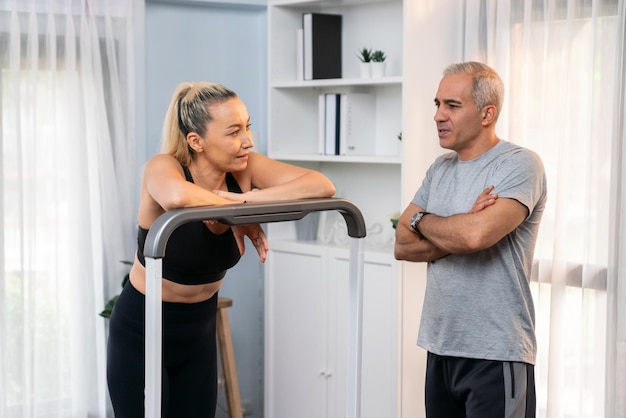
255 234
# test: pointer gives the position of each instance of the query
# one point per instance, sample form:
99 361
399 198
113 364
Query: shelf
362 159
338 82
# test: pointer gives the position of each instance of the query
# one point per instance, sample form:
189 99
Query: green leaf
365 54
108 308
378 56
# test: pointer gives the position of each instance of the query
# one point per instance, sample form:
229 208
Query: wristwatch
415 220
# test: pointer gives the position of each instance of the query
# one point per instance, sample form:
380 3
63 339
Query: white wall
433 34
226 43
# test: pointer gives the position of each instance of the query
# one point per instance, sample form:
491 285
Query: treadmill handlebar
250 213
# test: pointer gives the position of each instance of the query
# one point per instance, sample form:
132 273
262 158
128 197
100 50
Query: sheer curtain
562 64
67 160
616 341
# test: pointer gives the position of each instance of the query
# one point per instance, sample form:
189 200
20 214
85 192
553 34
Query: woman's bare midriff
174 292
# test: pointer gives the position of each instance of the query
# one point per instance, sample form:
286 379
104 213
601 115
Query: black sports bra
193 254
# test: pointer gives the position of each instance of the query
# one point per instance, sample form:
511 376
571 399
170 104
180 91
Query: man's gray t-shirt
479 305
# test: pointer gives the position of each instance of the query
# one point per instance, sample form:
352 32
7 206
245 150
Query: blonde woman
206 160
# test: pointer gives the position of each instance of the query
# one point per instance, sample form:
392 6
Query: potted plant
378 63
365 55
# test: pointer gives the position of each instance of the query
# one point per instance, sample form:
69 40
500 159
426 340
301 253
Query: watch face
415 219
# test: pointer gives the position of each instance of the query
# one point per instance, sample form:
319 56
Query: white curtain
67 164
562 62
616 287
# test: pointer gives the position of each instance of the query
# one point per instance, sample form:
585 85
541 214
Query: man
475 220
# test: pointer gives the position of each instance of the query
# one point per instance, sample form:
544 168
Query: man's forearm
409 246
453 234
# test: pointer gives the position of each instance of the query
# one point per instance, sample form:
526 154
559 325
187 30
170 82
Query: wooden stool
227 353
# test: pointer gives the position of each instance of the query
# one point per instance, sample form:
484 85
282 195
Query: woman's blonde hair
189 111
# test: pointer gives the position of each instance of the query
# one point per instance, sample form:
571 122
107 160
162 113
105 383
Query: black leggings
189 373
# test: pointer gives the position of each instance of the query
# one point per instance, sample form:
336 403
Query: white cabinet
306 332
380 361
296 318
306 282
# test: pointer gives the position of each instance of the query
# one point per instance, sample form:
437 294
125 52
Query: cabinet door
295 332
380 345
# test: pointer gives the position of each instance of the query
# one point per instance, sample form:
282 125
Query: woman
206 160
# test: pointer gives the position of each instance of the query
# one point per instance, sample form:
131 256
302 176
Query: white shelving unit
304 367
371 181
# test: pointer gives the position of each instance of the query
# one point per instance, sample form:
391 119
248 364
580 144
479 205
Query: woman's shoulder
163 158
161 161
253 155
162 166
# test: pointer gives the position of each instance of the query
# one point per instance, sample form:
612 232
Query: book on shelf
347 124
329 123
321 45
357 124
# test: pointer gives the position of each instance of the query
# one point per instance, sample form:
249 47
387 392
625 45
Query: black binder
322 45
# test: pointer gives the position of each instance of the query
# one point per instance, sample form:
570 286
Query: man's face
458 120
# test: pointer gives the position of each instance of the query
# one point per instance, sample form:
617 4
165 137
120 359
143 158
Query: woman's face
228 138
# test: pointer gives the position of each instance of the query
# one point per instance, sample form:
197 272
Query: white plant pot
378 69
365 69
